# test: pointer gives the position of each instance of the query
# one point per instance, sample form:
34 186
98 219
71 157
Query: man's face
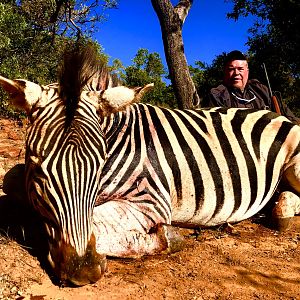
236 74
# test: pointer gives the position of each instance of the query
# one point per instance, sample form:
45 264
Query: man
238 91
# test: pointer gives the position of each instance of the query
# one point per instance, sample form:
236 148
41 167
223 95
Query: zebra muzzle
74 269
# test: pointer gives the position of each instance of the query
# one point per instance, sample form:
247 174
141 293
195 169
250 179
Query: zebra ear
117 98
23 94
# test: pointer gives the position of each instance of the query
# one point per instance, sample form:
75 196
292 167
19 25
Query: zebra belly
211 211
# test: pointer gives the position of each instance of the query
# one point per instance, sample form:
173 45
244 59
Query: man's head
236 70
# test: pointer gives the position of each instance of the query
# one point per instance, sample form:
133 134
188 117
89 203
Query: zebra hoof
174 239
282 224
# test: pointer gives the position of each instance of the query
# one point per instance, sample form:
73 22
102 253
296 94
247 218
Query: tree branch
182 9
54 16
171 20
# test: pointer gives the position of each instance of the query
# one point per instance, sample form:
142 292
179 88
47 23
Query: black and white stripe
197 167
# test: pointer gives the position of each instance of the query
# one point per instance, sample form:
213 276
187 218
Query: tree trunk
171 20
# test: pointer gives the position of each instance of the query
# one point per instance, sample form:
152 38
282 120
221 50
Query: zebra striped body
191 168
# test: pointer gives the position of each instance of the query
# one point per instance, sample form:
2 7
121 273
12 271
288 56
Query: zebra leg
175 240
124 230
287 206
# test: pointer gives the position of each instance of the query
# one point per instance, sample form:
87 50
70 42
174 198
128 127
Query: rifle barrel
268 81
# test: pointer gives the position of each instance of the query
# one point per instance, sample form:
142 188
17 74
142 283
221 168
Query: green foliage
24 52
207 76
66 17
147 68
32 42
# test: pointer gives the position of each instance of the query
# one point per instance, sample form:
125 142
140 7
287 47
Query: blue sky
206 31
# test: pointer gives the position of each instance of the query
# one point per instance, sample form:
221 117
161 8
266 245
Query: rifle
277 103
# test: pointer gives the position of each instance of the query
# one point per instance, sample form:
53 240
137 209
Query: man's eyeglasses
239 70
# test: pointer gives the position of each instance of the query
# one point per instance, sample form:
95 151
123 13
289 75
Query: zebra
110 176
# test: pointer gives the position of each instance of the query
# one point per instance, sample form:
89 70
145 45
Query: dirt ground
248 261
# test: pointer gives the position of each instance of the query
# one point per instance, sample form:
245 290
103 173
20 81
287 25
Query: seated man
238 91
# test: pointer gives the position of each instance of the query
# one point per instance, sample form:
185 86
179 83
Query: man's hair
234 55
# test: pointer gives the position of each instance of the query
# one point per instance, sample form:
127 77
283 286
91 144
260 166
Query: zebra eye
34 159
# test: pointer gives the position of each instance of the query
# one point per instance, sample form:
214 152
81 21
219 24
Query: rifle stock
276 104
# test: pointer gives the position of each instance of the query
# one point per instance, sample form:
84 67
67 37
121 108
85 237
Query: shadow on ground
18 221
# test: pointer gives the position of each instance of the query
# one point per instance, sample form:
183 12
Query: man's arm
217 97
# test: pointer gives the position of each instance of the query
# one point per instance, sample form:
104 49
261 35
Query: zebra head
65 150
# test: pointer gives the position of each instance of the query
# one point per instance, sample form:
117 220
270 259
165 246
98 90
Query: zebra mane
81 69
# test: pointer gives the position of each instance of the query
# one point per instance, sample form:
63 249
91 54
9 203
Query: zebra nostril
88 275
